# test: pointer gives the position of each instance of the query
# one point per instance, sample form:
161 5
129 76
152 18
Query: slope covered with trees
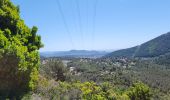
155 47
60 82
77 78
19 56
123 53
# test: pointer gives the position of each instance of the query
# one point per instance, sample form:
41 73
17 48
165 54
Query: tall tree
19 56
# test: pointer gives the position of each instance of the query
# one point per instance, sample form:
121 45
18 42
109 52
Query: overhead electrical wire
65 23
74 12
80 21
94 22
87 15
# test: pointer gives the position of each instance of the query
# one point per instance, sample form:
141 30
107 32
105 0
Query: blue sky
95 24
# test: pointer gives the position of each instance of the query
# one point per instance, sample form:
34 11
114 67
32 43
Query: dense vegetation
60 82
102 79
156 47
118 76
19 58
123 53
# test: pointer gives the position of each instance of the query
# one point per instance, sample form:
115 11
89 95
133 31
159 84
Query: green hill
155 47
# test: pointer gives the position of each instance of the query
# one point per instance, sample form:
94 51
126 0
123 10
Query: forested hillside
155 47
121 75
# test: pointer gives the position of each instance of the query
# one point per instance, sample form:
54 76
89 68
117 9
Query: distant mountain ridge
155 47
75 53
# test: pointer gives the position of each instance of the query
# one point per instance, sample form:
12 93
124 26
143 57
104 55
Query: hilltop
153 48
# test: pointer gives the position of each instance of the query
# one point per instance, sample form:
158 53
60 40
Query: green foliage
156 76
123 53
113 76
19 58
163 60
139 91
155 47
90 91
54 69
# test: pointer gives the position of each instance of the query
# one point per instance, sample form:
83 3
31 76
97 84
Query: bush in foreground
19 58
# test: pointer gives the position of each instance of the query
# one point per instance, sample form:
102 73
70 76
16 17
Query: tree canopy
19 56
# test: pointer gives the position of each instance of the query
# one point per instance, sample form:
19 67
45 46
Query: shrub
19 58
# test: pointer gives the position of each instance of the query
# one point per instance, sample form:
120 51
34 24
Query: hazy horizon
80 50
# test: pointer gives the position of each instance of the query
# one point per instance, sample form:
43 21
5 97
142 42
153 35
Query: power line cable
87 16
94 22
65 23
74 12
80 22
